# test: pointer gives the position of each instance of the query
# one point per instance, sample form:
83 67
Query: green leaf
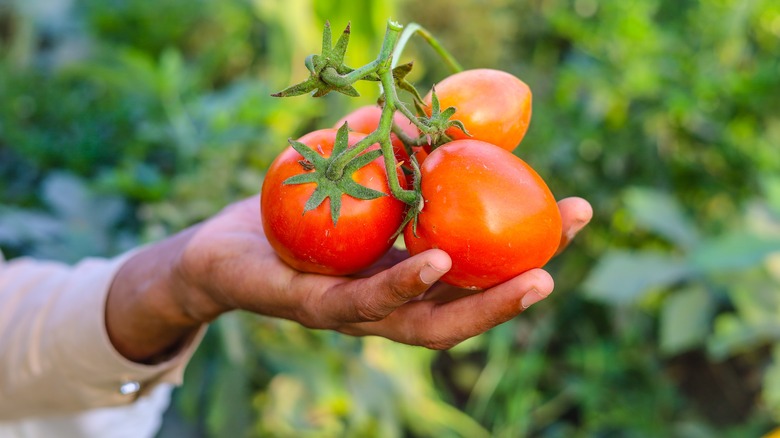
309 63
685 320
362 160
19 225
411 89
732 252
66 194
349 90
458 124
335 208
771 384
322 91
661 213
308 153
418 106
732 335
341 46
317 197
351 188
447 113
327 39
402 70
621 277
302 88
302 178
331 57
342 140
399 76
771 189
435 109
754 320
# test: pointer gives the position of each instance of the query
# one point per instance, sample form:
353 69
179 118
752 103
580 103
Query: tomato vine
470 196
329 73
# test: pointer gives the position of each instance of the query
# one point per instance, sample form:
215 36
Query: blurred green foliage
123 121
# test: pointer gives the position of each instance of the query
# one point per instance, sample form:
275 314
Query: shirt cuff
65 361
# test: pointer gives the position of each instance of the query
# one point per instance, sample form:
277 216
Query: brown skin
165 292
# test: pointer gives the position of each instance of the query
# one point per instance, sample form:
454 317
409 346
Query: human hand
163 293
228 264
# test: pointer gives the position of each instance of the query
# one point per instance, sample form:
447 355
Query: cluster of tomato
483 205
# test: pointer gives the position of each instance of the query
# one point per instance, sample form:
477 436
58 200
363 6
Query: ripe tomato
310 242
493 105
489 210
366 119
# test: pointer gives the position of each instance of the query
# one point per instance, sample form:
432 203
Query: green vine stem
381 64
385 125
392 93
329 74
381 135
406 139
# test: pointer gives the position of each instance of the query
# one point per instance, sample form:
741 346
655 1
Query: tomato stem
382 66
339 163
425 129
379 65
385 126
329 73
332 77
406 139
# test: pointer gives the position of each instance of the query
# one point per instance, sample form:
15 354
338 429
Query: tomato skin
489 210
309 241
493 105
366 119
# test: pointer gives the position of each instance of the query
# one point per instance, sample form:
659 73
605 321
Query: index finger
444 325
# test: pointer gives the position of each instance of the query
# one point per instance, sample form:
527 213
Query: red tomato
366 119
493 105
489 210
309 241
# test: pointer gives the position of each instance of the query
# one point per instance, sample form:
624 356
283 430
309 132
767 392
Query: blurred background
123 121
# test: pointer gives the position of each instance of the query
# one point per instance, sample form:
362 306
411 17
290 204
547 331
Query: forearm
150 310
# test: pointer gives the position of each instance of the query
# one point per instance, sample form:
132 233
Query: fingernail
429 274
531 297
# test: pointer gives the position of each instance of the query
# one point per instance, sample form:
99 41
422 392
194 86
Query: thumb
375 297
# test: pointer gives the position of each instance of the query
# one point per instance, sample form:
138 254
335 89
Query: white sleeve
56 354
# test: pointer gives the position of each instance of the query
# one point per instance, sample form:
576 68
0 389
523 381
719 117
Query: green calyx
399 77
328 71
316 167
439 122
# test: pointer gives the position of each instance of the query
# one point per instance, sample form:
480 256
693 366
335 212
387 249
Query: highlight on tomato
488 209
493 105
311 238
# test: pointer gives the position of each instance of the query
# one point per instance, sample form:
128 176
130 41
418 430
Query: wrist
151 310
188 283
